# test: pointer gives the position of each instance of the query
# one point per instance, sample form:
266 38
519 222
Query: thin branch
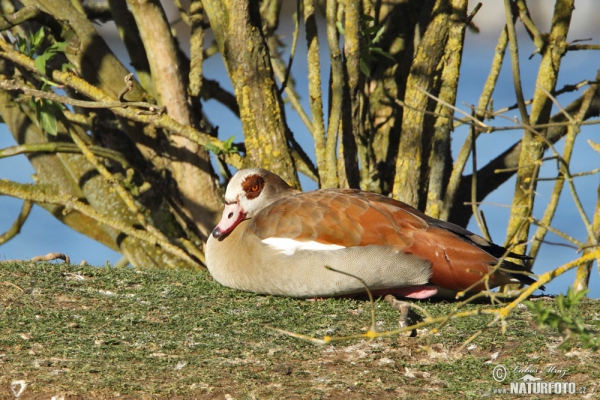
563 235
47 257
24 14
125 196
373 325
61 147
18 224
52 257
292 49
538 39
10 85
509 159
461 121
314 89
575 47
564 171
475 209
484 101
468 116
439 152
185 17
335 98
196 21
567 88
576 175
514 52
473 13
564 161
37 194
582 277
292 96
533 142
161 121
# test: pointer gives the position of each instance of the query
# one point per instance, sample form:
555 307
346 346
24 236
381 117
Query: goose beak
232 216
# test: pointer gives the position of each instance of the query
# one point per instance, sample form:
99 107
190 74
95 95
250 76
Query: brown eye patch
253 185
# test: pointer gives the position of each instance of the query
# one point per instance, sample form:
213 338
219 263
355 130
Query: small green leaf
340 28
212 148
378 50
48 123
228 146
372 30
68 67
364 67
57 47
46 111
48 82
23 45
42 59
40 62
378 34
36 39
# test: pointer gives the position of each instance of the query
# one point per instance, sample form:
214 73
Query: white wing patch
289 246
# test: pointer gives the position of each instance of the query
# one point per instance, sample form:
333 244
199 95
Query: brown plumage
274 239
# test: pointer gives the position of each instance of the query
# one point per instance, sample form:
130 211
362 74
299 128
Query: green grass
101 332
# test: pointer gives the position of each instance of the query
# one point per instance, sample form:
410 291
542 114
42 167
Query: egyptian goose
274 239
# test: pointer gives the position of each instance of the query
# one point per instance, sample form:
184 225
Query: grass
86 332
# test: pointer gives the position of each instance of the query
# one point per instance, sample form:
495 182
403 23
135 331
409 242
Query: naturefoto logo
523 380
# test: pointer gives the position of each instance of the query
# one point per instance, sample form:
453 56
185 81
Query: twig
569 246
476 212
500 314
567 88
16 226
490 203
407 316
10 85
566 159
335 98
161 121
514 52
24 14
47 257
36 194
462 121
196 22
314 89
62 147
472 14
563 168
373 327
574 47
125 195
465 151
563 235
288 70
538 38
128 87
575 175
51 257
477 122
185 17
13 285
